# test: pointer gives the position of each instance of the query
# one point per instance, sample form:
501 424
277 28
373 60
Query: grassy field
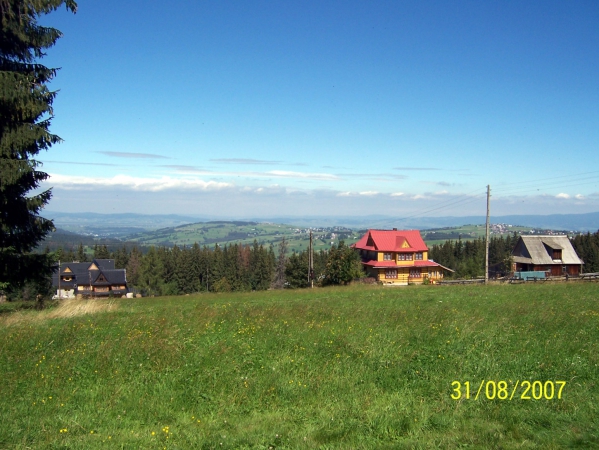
354 367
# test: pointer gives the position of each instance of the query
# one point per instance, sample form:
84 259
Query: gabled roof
392 241
104 264
101 272
539 250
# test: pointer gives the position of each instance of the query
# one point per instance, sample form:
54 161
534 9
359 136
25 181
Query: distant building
96 279
553 255
397 257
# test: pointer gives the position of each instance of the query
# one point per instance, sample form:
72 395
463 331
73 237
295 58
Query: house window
419 256
415 273
387 256
391 273
557 254
405 257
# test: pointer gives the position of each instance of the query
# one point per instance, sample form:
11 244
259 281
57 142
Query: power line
464 199
525 189
516 188
552 178
547 182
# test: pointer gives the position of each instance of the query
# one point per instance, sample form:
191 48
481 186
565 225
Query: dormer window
404 257
387 256
557 254
418 256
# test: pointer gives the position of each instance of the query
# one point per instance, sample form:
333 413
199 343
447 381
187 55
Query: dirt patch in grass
65 309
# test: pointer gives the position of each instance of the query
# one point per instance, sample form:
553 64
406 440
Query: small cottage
553 255
96 279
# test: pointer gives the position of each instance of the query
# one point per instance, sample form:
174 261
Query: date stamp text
504 390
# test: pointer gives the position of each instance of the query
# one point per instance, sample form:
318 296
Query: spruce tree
25 112
279 282
81 255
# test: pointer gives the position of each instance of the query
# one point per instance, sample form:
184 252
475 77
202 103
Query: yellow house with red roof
397 257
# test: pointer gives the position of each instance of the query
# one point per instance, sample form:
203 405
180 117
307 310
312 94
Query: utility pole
487 234
310 263
59 291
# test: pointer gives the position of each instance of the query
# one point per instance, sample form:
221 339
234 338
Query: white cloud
134 155
397 194
579 196
137 184
562 195
313 176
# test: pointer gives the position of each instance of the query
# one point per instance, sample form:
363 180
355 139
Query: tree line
230 268
467 258
587 248
238 267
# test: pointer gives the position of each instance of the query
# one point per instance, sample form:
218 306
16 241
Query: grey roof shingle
81 273
539 250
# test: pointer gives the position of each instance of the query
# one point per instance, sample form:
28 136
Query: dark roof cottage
96 279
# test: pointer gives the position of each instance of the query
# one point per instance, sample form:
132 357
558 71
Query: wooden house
553 255
397 257
96 279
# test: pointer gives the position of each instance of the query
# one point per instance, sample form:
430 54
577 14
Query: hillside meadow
349 367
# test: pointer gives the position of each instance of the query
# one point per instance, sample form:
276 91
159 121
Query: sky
245 109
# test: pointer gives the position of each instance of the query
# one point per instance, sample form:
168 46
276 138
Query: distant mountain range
126 224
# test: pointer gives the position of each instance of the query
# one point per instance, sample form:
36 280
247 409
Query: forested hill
222 232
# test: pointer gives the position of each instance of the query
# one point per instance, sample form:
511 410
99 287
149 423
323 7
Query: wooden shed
553 255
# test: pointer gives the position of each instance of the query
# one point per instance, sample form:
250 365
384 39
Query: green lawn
353 367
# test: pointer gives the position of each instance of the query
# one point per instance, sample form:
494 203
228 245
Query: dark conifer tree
184 274
101 252
296 270
279 282
81 255
25 112
261 267
69 256
133 266
151 273
121 257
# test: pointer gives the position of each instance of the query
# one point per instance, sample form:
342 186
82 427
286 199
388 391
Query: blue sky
268 108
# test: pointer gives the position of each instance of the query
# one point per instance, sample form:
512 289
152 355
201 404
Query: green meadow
356 367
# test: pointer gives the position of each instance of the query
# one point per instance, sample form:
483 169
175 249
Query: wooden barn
553 255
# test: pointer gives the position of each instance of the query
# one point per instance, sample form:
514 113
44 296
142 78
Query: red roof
392 241
393 265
